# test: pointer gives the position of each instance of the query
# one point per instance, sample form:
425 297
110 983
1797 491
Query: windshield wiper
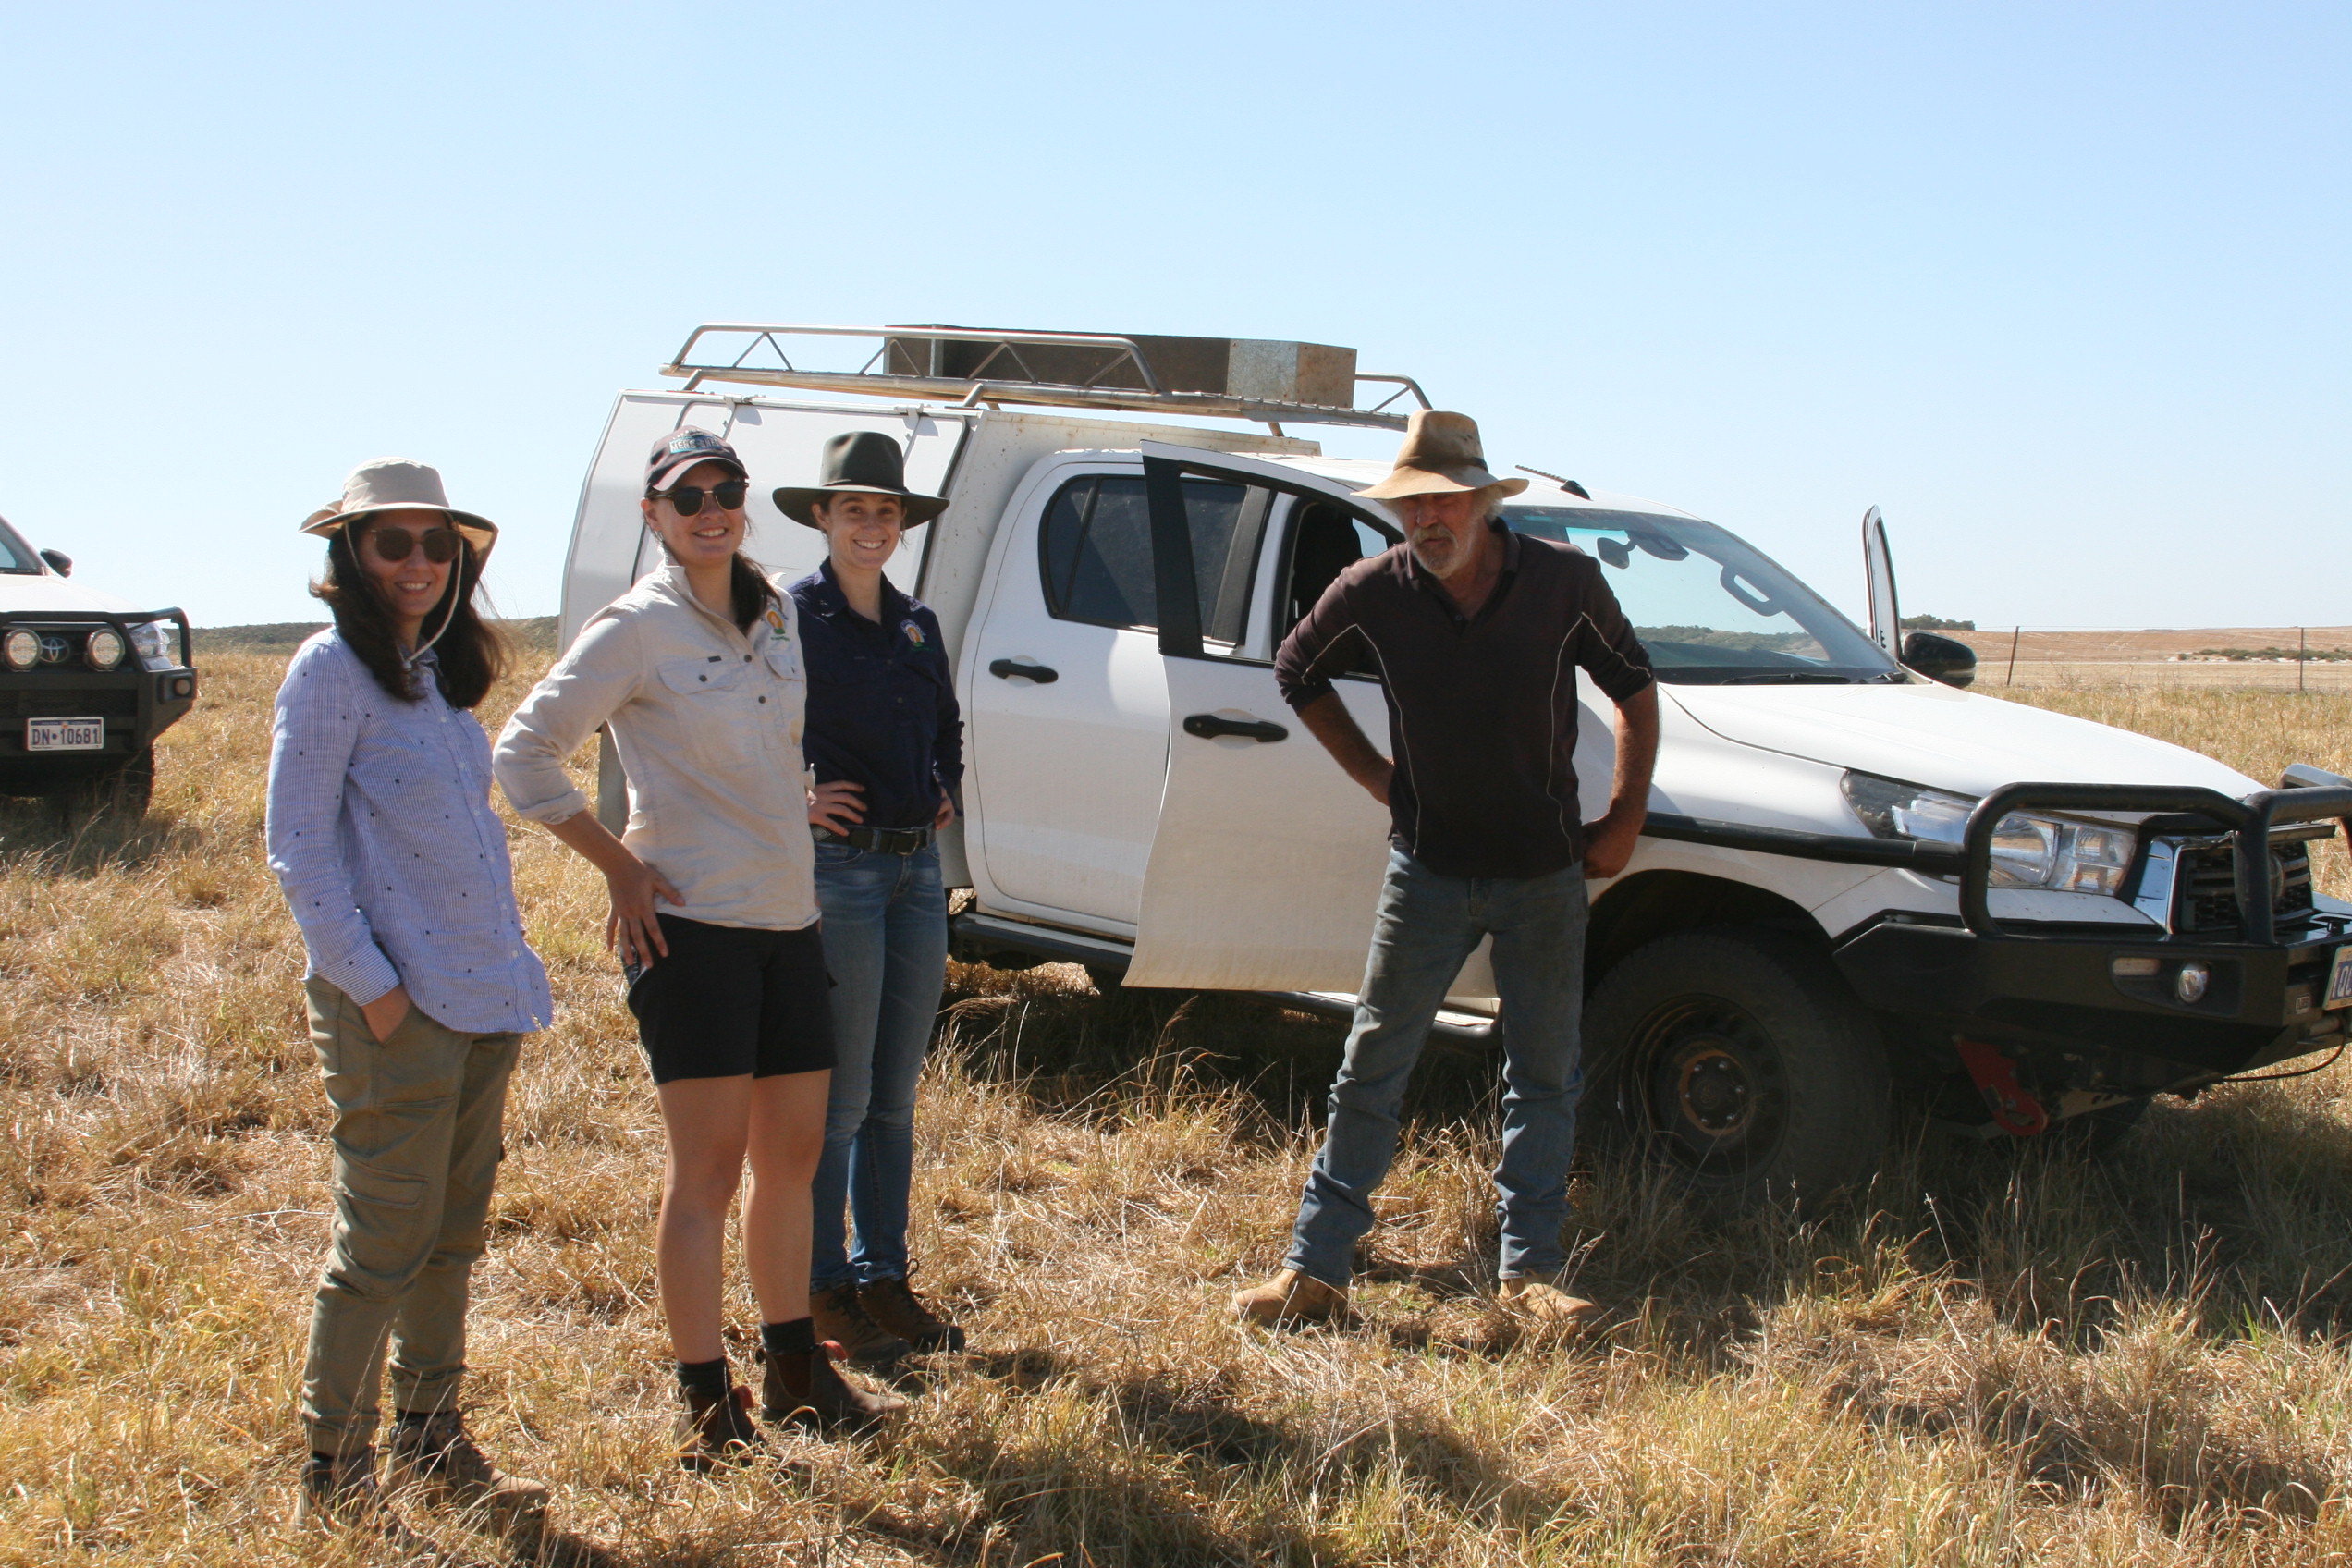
1788 678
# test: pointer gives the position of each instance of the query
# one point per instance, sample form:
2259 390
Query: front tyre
1741 1060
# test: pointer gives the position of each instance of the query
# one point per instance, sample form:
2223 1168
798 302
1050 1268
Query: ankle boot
716 1429
434 1458
838 1314
894 1306
805 1388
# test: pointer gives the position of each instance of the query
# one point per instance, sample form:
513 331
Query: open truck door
1878 567
1266 862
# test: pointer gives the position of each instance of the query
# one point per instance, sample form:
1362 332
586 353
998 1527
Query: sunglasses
395 543
688 499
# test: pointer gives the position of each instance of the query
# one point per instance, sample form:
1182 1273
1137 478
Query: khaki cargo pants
417 1145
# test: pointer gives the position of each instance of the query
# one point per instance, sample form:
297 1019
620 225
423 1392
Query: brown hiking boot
342 1494
806 1388
840 1314
714 1432
894 1305
1291 1297
436 1458
1542 1302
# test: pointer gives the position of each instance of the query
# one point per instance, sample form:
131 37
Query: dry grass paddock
1999 1355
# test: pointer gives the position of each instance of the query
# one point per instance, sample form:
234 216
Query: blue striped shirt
382 835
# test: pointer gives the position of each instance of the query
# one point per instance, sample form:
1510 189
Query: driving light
22 649
102 648
157 643
2055 854
2191 983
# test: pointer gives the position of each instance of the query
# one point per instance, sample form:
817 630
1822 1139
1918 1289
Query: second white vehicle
1857 883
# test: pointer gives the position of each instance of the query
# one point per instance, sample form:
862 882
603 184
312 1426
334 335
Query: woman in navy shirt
884 741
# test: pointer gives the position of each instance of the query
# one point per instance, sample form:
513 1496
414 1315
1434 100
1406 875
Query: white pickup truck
1858 884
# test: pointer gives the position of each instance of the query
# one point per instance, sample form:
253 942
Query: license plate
65 734
2339 986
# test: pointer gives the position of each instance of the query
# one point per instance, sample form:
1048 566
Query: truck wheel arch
1636 910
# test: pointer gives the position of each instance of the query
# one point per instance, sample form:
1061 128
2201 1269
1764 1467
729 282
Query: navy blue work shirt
882 708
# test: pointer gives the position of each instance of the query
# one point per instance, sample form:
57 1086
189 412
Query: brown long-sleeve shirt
1482 710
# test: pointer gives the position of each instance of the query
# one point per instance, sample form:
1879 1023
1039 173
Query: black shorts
733 999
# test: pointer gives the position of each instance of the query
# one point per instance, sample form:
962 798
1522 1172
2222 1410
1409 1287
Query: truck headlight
21 648
102 648
2028 851
157 643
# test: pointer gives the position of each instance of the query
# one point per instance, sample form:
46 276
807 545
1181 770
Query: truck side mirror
59 562
1946 659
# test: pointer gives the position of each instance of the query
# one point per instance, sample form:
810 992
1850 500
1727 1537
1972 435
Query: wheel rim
1707 1086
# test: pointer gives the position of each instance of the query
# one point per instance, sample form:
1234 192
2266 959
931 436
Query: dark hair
469 657
748 588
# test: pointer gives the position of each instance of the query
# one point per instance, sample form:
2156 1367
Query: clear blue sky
2063 288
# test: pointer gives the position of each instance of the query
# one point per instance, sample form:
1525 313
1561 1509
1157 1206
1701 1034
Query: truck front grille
2205 898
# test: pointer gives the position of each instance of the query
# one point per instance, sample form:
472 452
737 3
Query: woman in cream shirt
697 670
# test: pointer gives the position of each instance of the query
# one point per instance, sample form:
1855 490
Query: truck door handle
1005 669
1208 726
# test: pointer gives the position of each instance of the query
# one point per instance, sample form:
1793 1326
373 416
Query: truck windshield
1711 610
16 556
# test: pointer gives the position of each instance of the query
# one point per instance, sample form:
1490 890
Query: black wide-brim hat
859 461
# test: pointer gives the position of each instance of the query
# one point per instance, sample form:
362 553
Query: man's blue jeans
1429 926
886 943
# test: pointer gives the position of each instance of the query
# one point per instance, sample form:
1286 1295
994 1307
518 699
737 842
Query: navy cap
681 449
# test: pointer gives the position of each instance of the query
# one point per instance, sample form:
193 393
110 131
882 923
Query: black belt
882 841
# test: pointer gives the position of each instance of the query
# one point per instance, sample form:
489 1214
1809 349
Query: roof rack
1214 377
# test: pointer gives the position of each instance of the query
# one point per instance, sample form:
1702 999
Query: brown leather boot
342 1494
806 1388
1291 1297
894 1305
838 1315
716 1431
434 1458
1542 1302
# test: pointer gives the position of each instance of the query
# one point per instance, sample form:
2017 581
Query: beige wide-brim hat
1440 453
389 484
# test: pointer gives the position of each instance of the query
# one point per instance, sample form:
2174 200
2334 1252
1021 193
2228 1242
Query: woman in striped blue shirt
421 986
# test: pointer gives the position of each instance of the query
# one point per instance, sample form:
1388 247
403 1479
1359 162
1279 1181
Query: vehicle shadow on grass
65 841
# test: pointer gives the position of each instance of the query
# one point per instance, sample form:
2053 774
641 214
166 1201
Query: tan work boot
1541 1301
894 1305
1290 1297
437 1459
342 1494
838 1315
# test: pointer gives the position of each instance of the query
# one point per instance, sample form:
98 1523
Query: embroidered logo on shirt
914 633
776 620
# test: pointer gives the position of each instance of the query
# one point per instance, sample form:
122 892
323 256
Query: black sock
703 1377
796 1337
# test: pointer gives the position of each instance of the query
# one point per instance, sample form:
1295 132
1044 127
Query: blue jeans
886 943
1429 926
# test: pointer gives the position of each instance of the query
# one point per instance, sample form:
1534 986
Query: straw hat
387 484
863 462
1440 454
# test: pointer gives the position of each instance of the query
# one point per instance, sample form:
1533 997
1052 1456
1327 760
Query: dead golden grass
1999 1355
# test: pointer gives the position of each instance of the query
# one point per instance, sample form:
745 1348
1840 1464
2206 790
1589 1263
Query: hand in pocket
387 1013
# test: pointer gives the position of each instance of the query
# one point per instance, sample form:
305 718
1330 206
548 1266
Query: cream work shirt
707 722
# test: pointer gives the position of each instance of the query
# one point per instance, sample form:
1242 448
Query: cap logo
694 441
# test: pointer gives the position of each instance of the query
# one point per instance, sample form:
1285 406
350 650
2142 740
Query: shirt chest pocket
725 712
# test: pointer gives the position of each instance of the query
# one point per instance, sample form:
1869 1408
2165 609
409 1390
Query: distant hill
534 634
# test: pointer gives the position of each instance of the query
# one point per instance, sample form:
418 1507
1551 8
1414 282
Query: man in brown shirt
1472 631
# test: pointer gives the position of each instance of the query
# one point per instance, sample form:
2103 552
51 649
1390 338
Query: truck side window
1096 552
1325 540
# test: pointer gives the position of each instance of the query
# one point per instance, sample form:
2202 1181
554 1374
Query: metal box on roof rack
1253 369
